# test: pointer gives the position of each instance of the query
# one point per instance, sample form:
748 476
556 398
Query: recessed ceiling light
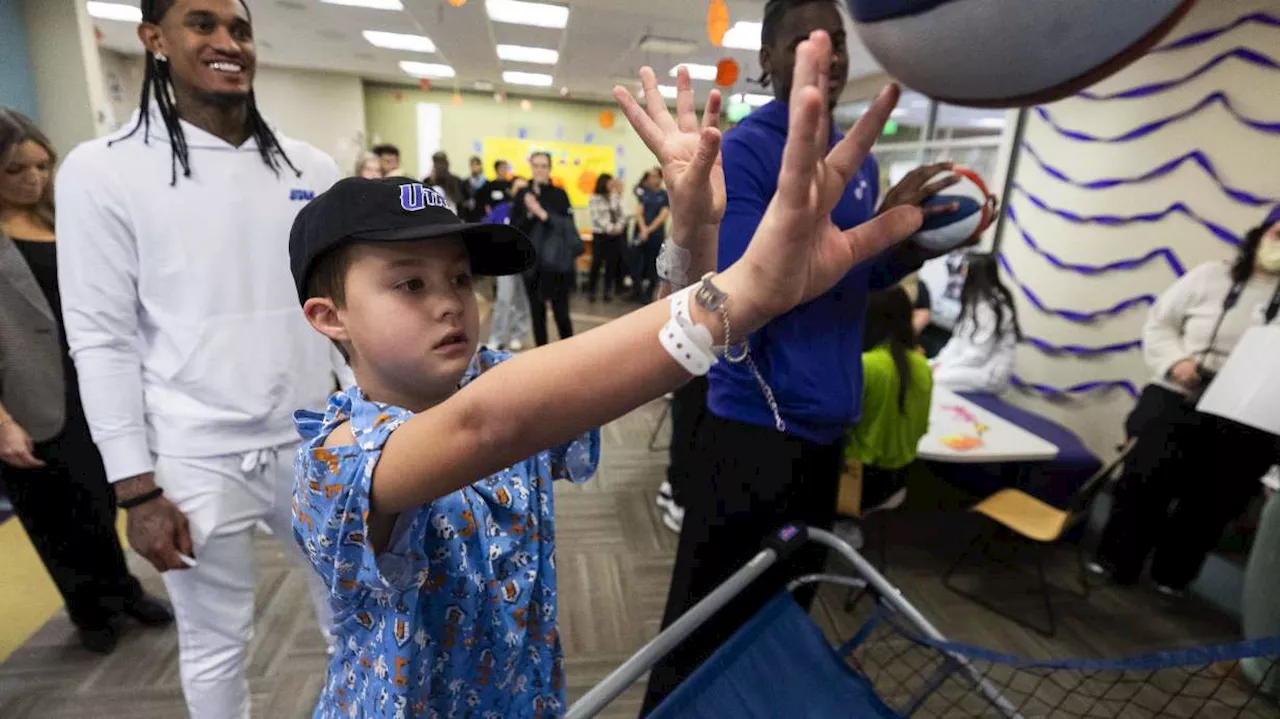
374 4
667 45
898 112
752 99
522 53
536 79
399 41
743 36
519 12
483 86
114 11
426 69
992 122
696 72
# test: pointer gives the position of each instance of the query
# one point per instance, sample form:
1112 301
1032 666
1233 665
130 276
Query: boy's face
410 318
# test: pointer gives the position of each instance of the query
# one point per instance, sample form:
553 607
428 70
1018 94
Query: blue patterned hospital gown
457 618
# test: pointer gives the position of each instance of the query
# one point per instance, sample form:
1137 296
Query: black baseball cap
397 209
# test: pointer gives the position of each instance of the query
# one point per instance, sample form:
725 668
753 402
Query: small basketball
1009 53
949 230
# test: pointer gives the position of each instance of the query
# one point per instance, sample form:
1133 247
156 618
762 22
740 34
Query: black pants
688 405
606 256
1188 476
69 511
554 287
644 276
757 479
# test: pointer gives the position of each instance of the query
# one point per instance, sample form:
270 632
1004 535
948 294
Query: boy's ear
322 313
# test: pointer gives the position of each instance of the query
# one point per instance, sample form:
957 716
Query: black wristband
141 499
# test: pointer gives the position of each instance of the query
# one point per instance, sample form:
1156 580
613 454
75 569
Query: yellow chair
1022 516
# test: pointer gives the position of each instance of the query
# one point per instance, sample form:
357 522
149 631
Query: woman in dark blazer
49 466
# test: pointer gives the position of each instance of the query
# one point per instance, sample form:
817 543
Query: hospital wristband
688 343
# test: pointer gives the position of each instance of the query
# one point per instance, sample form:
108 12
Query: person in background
766 457
473 209
496 190
509 321
1206 467
368 166
896 391
652 210
450 186
389 155
980 355
608 223
922 309
532 206
51 470
192 355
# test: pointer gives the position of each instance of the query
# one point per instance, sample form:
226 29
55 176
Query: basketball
1009 53
948 230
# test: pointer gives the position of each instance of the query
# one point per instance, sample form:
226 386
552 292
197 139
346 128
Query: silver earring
161 57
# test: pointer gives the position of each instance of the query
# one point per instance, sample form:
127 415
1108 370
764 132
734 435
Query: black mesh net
919 678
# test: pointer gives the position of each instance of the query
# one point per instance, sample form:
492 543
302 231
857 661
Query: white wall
325 109
1245 158
71 104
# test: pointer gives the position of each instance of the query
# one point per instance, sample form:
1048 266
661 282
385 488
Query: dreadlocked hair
774 11
158 83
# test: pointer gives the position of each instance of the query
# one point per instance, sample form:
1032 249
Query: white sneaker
673 517
515 345
664 499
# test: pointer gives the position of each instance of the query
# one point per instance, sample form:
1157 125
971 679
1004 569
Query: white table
951 415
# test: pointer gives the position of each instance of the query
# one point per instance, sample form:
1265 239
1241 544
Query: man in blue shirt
763 458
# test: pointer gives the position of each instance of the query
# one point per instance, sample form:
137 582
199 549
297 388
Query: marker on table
189 561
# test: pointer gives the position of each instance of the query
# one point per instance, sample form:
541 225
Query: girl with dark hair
896 389
1178 458
182 318
608 223
50 468
652 210
979 356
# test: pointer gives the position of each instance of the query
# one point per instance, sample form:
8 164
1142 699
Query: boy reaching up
424 496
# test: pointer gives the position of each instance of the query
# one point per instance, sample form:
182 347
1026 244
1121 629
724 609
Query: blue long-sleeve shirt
811 356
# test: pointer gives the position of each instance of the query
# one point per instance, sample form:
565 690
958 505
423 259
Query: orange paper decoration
457 97
606 119
717 22
726 72
457 3
424 84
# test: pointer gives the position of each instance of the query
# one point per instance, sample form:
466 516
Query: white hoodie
976 359
179 306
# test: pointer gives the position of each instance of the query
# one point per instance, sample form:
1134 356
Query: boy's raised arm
552 394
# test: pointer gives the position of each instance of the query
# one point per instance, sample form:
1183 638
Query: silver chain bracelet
713 300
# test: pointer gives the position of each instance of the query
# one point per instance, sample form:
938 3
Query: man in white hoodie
183 322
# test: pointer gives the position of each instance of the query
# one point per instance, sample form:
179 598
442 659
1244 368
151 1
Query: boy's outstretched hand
689 152
797 253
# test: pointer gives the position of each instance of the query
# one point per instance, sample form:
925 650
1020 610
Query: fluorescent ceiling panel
519 12
667 45
114 11
522 53
536 79
743 36
426 69
696 72
372 4
399 41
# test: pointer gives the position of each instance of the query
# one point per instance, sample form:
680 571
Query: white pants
226 499
510 312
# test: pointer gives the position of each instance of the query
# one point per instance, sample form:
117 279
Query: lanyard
1233 296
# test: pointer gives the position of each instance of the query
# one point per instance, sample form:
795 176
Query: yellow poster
574 166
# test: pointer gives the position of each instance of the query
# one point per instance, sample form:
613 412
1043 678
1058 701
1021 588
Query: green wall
391 116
